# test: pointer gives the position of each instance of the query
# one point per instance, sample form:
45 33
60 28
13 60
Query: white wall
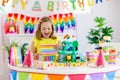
108 10
1 51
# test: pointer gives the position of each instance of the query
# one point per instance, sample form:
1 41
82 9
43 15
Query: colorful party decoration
15 17
13 75
50 5
55 5
28 59
15 2
77 77
36 76
23 75
63 22
10 27
110 75
22 16
9 16
97 76
91 2
56 77
36 6
4 1
23 2
18 75
15 56
100 60
98 1
32 20
26 24
12 57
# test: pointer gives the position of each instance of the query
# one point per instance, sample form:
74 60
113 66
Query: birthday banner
37 76
49 5
26 24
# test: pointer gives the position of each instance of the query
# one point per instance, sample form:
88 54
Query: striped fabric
48 52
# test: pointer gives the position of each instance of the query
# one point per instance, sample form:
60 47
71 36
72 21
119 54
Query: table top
68 70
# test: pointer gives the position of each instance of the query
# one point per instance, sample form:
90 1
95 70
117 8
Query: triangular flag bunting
97 76
15 16
32 20
36 76
13 75
55 16
56 77
27 19
9 16
23 75
110 75
77 77
22 17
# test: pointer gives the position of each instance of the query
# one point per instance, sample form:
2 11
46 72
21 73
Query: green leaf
99 31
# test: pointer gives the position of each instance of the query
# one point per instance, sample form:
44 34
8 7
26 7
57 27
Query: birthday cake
67 55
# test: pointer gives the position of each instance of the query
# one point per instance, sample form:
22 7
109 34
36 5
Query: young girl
44 35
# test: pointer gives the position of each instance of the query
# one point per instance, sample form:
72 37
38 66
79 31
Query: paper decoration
22 16
81 3
37 19
28 59
23 2
100 60
15 56
9 16
54 19
18 56
13 75
77 77
110 75
23 75
4 1
16 75
98 1
97 76
55 5
28 28
12 56
36 6
14 2
32 20
26 24
56 77
63 22
15 17
91 2
60 19
50 5
27 19
36 76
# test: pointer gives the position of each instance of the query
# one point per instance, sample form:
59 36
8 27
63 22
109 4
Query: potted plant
101 33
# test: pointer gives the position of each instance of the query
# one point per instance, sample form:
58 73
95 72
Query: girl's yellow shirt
43 41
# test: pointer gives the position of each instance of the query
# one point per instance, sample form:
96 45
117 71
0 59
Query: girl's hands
57 46
36 56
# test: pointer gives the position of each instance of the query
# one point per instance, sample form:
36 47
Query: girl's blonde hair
38 33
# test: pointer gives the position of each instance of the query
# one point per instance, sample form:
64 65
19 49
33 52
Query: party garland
61 22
